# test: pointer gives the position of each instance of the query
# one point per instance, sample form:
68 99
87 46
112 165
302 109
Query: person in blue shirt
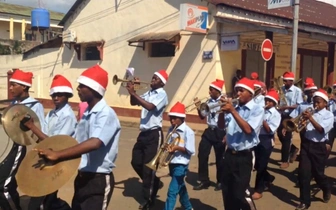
332 133
264 149
309 91
243 124
313 149
153 104
98 134
59 121
211 137
181 153
20 83
293 97
259 93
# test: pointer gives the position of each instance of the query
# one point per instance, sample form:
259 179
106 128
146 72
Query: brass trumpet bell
296 124
137 84
193 106
205 108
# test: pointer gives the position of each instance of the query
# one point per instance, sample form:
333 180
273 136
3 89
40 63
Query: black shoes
302 206
326 196
202 185
218 187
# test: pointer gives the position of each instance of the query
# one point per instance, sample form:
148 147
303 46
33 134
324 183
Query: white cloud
54 5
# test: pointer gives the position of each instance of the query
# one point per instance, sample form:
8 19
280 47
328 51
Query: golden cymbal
6 145
38 177
11 122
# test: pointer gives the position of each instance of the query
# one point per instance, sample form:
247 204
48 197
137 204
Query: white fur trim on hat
244 86
257 85
161 77
334 85
91 84
176 114
20 82
322 95
288 78
216 87
273 99
60 89
311 88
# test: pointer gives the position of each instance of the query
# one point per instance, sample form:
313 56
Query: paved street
282 196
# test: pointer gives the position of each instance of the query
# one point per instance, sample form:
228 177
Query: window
91 53
162 49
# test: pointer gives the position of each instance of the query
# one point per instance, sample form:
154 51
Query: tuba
278 87
160 162
298 123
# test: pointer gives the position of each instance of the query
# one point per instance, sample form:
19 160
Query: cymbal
11 121
6 145
38 177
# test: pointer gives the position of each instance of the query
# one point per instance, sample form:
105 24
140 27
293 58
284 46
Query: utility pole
295 34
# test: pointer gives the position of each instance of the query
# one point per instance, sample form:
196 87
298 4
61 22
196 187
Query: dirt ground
282 196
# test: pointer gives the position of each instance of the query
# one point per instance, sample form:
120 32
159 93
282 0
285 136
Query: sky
54 5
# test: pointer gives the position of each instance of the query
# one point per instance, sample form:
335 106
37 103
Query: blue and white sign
274 4
193 18
229 43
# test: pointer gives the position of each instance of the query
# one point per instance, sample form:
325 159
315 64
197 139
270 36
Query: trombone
137 84
193 106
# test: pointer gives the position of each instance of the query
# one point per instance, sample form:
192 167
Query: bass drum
6 144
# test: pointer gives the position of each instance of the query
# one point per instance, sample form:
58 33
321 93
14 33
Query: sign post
274 4
267 49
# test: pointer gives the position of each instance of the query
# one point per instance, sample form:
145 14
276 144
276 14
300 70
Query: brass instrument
278 87
298 123
137 84
328 89
160 162
193 106
205 108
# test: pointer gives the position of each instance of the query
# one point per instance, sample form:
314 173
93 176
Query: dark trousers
237 169
9 197
286 141
92 191
332 136
144 151
49 202
312 162
262 155
210 138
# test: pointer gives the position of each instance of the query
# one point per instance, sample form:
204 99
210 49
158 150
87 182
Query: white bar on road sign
274 4
267 49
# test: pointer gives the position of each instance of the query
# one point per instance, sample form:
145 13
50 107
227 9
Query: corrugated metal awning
156 37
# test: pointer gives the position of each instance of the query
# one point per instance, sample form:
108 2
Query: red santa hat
254 75
258 83
162 74
60 85
95 78
273 95
309 81
246 84
310 86
218 84
288 76
23 78
334 84
178 110
321 93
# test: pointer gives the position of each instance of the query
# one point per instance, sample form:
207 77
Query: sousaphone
37 176
15 130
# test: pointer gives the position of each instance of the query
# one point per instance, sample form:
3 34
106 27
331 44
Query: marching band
241 129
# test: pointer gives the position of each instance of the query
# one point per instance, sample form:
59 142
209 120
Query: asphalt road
282 196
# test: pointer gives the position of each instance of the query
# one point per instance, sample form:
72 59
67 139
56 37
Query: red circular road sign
267 49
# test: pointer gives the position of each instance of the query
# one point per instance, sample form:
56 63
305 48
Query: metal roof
311 11
158 36
14 9
70 12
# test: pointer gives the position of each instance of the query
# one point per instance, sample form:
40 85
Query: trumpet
298 123
137 84
162 159
193 106
205 108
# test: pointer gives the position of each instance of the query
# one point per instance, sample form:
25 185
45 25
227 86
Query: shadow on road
132 188
283 195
